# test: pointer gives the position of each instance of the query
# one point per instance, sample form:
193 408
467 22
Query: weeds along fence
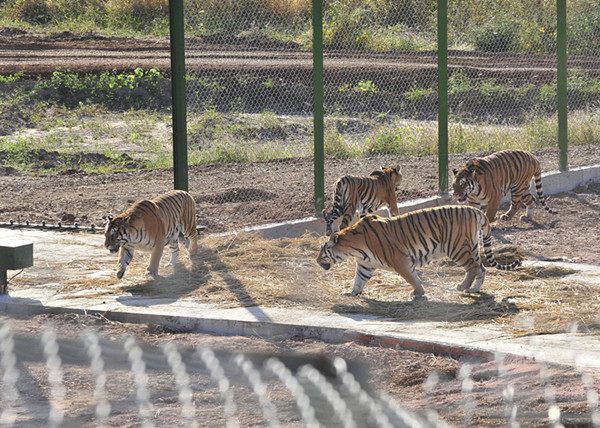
401 80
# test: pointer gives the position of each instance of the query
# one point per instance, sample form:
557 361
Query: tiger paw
525 218
120 273
504 217
152 273
419 292
461 287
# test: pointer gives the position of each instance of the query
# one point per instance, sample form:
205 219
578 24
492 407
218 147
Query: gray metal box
15 254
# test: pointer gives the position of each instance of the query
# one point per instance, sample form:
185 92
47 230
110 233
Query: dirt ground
242 270
228 196
283 191
458 392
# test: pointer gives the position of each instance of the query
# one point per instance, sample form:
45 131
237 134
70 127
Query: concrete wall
553 182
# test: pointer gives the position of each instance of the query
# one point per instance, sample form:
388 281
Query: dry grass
246 270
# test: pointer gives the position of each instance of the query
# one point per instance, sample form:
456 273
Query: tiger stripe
152 224
403 243
363 195
485 181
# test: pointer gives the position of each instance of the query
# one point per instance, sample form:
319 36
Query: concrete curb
336 332
268 330
553 182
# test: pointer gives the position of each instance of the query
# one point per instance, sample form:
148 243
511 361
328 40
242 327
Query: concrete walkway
45 296
76 249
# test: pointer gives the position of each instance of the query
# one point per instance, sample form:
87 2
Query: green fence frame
318 113
180 166
180 159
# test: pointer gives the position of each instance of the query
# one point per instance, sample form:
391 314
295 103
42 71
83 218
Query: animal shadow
483 307
189 278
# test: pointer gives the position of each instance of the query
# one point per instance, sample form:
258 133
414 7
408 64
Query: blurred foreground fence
390 93
89 381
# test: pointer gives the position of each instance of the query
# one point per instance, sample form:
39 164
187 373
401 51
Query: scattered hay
534 272
246 270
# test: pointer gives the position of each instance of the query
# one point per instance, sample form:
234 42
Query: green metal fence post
319 156
443 95
561 53
180 161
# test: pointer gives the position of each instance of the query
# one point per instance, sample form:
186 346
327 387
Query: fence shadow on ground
188 278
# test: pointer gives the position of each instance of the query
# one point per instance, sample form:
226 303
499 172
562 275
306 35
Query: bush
33 12
503 37
140 89
144 16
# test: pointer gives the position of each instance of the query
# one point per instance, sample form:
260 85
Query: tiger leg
529 202
492 209
474 272
362 276
408 272
125 257
393 206
469 259
514 208
155 257
174 246
192 243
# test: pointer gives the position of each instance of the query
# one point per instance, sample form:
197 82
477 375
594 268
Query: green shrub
139 89
335 145
492 37
143 16
35 12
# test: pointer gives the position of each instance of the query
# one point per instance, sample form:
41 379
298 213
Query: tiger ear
126 219
335 239
473 162
455 171
110 218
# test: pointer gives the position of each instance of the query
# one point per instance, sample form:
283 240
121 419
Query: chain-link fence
250 91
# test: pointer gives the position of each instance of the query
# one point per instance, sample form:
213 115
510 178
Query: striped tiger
363 195
403 243
485 181
151 225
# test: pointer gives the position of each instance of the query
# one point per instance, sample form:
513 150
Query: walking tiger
402 243
485 181
363 195
151 225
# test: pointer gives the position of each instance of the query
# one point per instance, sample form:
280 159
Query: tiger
363 195
151 225
485 181
402 243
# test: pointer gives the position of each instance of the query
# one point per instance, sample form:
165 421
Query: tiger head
332 251
464 181
116 232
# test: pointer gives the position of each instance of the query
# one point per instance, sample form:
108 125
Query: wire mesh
503 78
250 88
249 99
91 381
